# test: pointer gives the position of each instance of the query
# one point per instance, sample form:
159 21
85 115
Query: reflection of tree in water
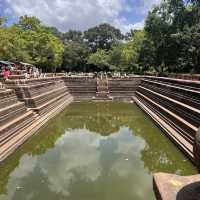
104 119
160 154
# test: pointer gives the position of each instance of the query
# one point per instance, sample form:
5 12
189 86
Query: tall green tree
100 59
102 37
72 36
75 56
131 52
31 42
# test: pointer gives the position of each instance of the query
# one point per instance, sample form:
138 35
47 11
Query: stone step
41 109
192 85
33 90
5 93
57 101
173 135
176 96
175 124
12 132
8 101
182 94
6 127
45 99
36 90
40 99
31 129
180 88
182 126
8 113
189 113
83 93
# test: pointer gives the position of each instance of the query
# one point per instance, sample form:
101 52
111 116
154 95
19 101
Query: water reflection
91 151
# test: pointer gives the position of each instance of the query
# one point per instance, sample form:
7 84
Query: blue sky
80 14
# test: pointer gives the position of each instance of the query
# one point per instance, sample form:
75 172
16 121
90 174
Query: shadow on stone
189 192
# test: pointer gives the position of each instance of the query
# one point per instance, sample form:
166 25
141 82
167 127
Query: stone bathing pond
92 151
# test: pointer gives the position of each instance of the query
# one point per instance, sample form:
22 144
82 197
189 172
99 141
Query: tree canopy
169 42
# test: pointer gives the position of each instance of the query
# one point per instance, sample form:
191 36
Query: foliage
29 41
99 59
102 37
170 42
75 56
131 52
72 35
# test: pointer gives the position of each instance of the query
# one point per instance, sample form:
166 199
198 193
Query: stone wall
123 88
85 88
81 88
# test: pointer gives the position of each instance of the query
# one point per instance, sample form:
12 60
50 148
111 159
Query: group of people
28 71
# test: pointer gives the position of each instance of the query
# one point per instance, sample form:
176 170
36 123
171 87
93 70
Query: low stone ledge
173 187
197 149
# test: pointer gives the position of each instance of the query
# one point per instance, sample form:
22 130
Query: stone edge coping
174 79
169 186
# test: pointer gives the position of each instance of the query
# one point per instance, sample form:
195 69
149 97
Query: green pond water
92 151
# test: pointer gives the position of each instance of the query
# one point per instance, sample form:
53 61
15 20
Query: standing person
6 73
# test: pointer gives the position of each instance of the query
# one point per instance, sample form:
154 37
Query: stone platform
173 187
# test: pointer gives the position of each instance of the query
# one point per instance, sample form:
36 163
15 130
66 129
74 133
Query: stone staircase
175 106
102 93
41 95
26 107
14 118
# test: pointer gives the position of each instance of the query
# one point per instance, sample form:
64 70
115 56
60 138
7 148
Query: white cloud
79 14
145 5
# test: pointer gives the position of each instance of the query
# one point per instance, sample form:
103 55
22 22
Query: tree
115 56
29 23
100 59
131 52
44 49
147 56
31 42
158 28
2 21
72 36
189 53
102 37
75 56
55 32
173 35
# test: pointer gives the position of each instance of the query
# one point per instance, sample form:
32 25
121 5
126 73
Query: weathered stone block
173 187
